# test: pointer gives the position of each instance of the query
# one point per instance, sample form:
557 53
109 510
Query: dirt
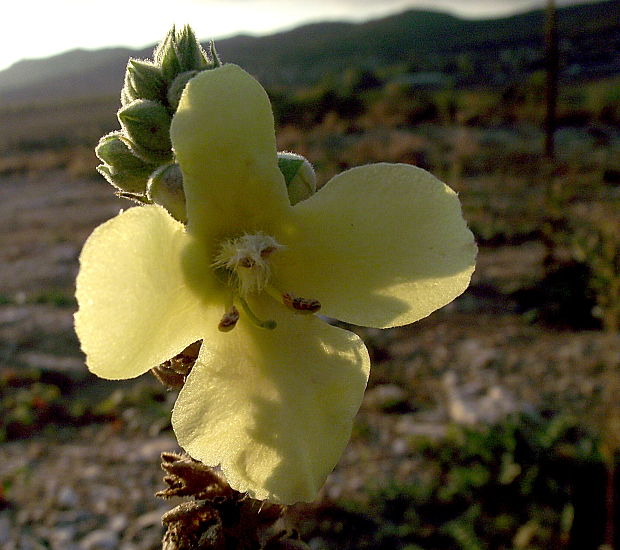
91 487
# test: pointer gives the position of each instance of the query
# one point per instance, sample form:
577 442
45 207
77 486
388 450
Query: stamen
229 320
269 324
266 252
296 303
302 305
246 259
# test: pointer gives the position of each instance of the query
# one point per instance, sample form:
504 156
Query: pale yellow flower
380 245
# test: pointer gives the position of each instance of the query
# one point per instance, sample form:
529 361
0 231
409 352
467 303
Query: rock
30 543
151 450
72 367
387 398
118 523
472 403
400 447
148 525
75 517
416 425
67 498
101 539
5 529
63 538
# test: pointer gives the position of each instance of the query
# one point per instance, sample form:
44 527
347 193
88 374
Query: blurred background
492 424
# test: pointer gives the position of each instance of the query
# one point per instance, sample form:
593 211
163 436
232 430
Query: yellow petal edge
380 245
274 408
135 309
224 140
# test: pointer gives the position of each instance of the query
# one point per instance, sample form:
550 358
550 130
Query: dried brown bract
219 518
172 373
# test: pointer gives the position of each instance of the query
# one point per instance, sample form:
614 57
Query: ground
88 483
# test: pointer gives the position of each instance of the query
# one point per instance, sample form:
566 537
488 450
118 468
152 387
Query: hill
495 50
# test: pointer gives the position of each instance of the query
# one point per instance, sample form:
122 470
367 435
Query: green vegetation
33 401
530 482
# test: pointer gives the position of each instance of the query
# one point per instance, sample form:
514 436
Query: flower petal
223 136
135 309
273 407
380 245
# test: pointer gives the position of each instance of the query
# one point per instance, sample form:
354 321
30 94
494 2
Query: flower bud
165 187
125 98
121 167
147 124
131 183
189 51
143 80
166 56
176 88
180 52
212 57
113 150
299 176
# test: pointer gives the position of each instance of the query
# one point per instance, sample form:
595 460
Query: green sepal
189 51
298 175
181 52
165 187
176 88
122 168
144 80
147 124
125 98
289 167
133 182
149 156
135 197
213 56
166 56
114 150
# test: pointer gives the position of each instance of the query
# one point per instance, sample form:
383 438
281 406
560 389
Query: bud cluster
138 159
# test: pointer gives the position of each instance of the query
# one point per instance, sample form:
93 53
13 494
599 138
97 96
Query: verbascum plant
233 255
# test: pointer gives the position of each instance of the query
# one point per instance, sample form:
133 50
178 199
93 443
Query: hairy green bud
121 167
180 52
143 80
125 98
213 55
165 187
113 150
176 88
298 174
189 51
127 182
137 160
166 56
147 124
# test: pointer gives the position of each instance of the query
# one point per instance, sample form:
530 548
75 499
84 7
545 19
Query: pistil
245 262
269 324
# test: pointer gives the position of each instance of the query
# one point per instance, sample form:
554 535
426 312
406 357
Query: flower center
244 263
246 260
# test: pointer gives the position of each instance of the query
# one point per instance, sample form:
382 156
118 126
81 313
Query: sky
41 28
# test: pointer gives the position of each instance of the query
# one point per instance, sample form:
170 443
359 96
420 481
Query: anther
266 252
301 305
296 303
269 324
229 320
